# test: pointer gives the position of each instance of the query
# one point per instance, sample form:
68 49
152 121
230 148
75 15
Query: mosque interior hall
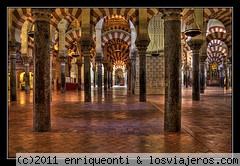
119 80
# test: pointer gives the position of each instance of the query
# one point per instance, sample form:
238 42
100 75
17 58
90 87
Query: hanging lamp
193 29
153 53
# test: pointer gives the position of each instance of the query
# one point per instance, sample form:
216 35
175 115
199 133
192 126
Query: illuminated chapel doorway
120 77
22 80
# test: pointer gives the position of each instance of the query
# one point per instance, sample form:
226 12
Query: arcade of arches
83 57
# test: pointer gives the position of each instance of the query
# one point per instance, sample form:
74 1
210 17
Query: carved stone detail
41 14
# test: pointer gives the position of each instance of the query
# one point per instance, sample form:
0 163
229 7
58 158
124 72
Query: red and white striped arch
186 47
222 14
30 43
217 48
72 35
126 37
129 13
215 56
225 37
19 16
68 14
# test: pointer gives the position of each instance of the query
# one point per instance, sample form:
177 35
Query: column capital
202 58
26 59
42 14
142 49
13 47
63 59
79 63
171 13
105 64
98 58
86 46
142 42
133 55
195 43
62 53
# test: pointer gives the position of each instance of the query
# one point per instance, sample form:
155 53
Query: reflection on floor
117 122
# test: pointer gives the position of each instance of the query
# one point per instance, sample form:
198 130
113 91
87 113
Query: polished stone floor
116 122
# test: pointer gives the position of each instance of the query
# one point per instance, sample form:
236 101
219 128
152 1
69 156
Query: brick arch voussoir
226 38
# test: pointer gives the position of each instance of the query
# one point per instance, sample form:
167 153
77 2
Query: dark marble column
186 79
63 75
51 71
27 81
87 79
142 76
133 77
129 75
230 74
109 77
94 75
202 73
41 110
225 60
13 81
195 43
58 72
86 47
99 65
172 51
79 64
229 64
105 76
142 48
67 66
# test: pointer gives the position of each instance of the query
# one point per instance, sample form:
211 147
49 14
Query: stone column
202 73
195 44
41 110
142 71
129 75
86 47
109 76
63 74
105 64
94 75
203 50
51 69
230 65
172 51
99 64
142 42
26 60
79 64
186 79
57 73
13 82
221 77
225 63
62 54
68 66
210 72
133 77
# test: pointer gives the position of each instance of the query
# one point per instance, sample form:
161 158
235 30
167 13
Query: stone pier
41 106
172 49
